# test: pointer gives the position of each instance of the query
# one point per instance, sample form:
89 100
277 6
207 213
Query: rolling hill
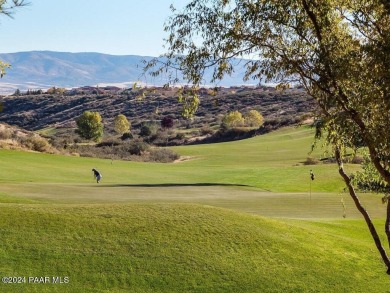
43 69
35 112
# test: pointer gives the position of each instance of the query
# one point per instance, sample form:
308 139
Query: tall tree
338 50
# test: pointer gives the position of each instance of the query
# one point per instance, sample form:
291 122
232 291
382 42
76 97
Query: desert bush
232 119
254 119
137 147
206 129
77 140
180 135
148 129
163 155
63 143
167 122
126 136
5 134
311 161
37 143
108 143
160 138
357 160
121 124
91 151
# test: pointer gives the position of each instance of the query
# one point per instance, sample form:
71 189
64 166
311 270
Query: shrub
311 161
206 129
37 144
5 134
126 136
163 155
232 119
121 124
357 160
108 143
254 119
160 138
167 122
180 135
137 147
148 129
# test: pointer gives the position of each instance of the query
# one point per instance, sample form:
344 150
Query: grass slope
261 175
270 162
151 227
182 248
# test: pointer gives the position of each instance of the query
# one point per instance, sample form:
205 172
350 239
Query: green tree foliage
253 119
3 67
368 179
121 124
232 119
90 126
190 100
337 50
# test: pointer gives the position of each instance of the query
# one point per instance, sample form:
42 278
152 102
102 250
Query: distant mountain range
44 69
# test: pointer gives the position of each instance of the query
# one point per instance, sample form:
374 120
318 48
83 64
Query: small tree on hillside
121 124
90 125
254 119
232 119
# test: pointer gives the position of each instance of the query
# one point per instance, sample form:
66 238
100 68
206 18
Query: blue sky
118 27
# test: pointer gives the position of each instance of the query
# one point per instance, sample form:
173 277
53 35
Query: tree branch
362 210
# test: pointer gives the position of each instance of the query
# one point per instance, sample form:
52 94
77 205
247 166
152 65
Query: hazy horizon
121 28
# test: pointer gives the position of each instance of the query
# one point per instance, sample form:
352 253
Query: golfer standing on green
97 175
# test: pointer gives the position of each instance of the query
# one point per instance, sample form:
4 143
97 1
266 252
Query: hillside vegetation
39 111
54 114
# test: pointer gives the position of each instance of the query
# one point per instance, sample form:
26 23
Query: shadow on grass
173 185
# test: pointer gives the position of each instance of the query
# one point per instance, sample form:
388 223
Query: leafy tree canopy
232 119
90 126
254 119
121 124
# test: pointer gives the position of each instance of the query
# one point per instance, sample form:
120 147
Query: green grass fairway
262 175
236 217
183 248
270 204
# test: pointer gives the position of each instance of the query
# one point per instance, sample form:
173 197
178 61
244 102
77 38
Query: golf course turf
241 216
